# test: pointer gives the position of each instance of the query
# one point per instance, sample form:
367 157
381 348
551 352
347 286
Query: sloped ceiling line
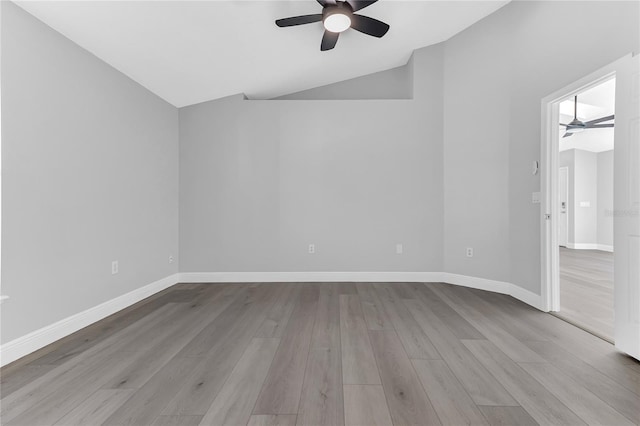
189 52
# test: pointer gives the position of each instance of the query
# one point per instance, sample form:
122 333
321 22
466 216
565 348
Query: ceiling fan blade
299 20
565 125
566 135
599 126
600 120
360 4
329 40
369 26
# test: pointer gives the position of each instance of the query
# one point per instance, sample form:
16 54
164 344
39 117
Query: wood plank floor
586 290
324 354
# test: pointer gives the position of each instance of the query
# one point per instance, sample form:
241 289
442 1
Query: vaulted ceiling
193 51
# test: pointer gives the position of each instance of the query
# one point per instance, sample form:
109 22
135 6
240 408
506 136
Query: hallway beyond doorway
586 290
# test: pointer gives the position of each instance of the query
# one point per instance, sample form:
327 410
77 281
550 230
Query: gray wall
260 180
90 171
390 84
585 188
494 75
90 175
590 179
476 156
525 51
605 198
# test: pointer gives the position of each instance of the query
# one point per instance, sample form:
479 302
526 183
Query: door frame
549 167
566 237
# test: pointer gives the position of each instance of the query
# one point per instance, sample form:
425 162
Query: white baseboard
268 277
502 287
38 339
590 246
513 290
528 297
582 246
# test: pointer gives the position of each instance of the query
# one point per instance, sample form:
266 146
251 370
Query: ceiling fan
577 126
338 16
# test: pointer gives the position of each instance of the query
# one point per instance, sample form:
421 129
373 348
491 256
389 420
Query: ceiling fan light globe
337 22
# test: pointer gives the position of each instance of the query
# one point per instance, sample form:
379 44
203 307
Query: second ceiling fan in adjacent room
577 126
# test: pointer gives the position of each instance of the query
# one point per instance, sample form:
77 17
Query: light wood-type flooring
586 290
325 354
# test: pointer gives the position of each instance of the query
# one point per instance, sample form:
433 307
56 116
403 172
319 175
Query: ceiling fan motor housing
576 126
340 8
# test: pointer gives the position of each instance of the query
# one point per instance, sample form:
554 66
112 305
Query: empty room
320 212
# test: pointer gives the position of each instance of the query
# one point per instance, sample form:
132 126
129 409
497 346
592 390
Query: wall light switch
114 267
399 248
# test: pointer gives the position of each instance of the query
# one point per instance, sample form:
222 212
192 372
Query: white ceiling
599 101
193 51
596 102
594 140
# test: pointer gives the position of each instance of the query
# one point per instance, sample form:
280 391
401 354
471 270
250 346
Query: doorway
625 213
585 200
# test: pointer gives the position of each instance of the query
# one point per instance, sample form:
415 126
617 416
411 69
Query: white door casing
626 222
626 197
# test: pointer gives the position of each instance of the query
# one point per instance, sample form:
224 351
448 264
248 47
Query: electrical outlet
312 248
399 248
114 267
469 252
170 258
536 197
